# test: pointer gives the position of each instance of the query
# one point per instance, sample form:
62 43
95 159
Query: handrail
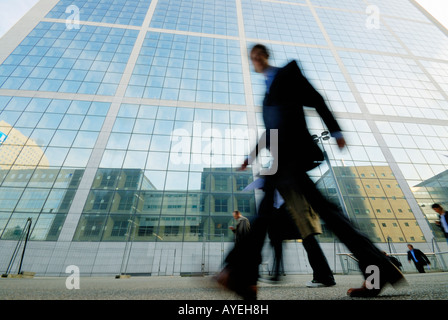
391 245
347 254
394 254
435 255
25 233
205 263
28 227
439 259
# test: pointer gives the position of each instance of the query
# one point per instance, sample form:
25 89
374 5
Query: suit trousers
420 266
246 257
321 270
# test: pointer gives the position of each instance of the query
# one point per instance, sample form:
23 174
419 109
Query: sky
12 10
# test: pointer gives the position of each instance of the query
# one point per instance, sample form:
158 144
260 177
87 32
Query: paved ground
176 297
429 286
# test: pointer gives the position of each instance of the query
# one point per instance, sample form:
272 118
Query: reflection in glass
176 180
16 224
77 157
375 202
9 198
90 227
112 159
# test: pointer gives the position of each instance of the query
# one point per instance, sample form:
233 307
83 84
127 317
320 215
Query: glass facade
188 68
88 60
132 123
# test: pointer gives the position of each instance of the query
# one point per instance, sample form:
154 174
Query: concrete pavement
428 286
175 297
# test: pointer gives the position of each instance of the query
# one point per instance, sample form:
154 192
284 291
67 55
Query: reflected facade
119 199
123 123
374 202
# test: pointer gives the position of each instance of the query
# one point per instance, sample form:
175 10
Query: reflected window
221 204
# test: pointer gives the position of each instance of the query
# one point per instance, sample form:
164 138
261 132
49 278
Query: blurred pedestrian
419 258
295 152
292 220
442 222
242 227
394 260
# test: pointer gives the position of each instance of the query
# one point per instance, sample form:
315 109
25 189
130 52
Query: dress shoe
318 284
363 292
227 279
271 280
393 277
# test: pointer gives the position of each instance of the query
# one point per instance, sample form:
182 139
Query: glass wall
157 100
188 68
47 144
169 174
88 60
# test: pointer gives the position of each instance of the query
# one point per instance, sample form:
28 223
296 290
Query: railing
24 236
441 255
350 264
438 259
205 263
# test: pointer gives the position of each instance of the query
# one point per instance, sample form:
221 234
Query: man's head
438 208
236 214
259 55
410 246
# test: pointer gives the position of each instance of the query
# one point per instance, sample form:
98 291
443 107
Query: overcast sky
12 10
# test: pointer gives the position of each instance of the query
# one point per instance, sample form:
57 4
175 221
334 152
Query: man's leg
242 263
278 256
361 247
420 267
321 270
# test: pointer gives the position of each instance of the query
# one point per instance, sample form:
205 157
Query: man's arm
245 227
312 98
339 139
261 144
425 257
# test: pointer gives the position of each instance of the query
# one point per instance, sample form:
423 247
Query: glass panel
70 60
90 227
171 78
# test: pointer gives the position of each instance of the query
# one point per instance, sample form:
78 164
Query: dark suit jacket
282 226
395 261
283 106
421 257
440 221
242 229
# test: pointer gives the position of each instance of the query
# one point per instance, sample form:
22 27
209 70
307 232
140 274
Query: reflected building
433 190
120 198
18 151
123 124
46 199
375 203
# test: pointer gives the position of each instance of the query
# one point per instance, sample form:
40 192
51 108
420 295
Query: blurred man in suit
443 221
242 227
419 258
295 152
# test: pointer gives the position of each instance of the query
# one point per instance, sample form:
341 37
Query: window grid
89 60
197 16
125 12
188 68
205 69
